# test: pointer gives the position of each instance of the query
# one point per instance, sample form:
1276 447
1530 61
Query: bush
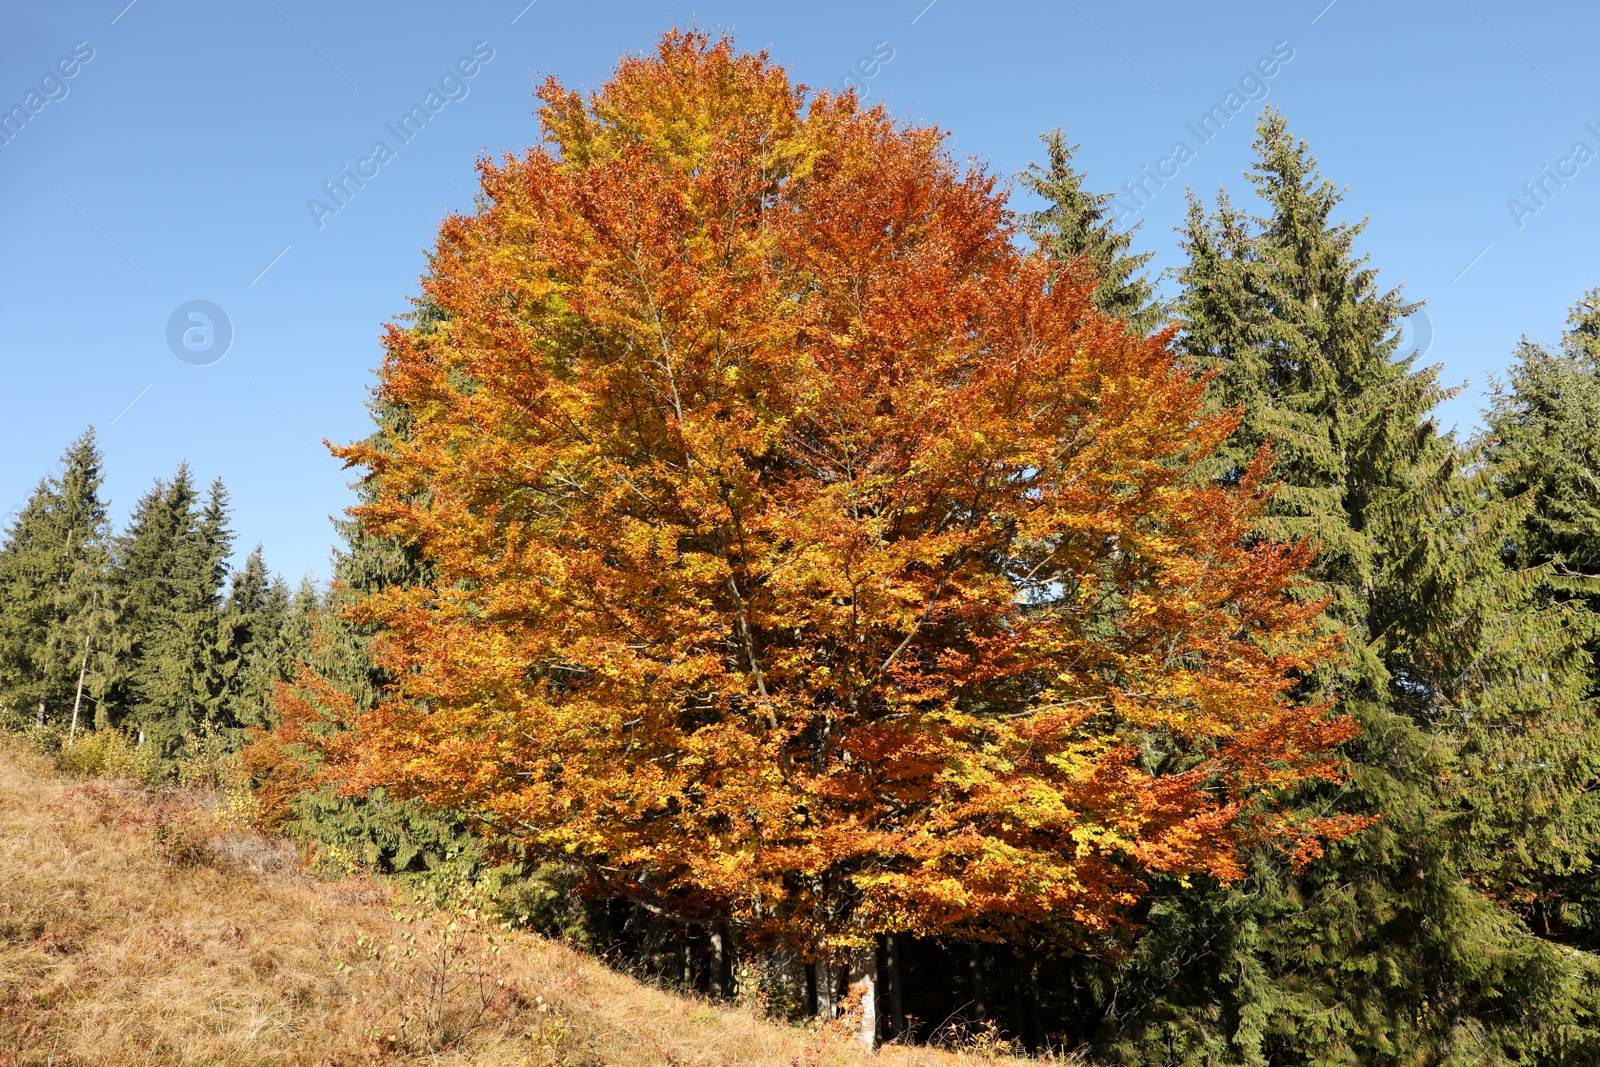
110 754
544 900
386 836
45 740
433 854
207 760
13 720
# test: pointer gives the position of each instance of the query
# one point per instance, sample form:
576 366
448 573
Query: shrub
207 760
110 754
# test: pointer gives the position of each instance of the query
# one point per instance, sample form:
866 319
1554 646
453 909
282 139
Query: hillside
139 927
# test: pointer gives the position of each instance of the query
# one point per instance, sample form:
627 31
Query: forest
791 559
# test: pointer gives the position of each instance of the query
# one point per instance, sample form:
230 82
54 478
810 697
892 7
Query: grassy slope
137 928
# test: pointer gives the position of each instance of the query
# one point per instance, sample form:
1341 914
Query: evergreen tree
144 582
1398 946
268 630
1074 226
171 566
215 654
1542 447
52 566
134 631
1544 433
334 675
91 633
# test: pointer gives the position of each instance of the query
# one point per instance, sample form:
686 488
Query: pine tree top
1075 226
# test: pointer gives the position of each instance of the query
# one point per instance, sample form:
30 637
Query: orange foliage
284 763
803 554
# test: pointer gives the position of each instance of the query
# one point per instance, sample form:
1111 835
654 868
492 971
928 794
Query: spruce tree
1074 226
268 631
1397 946
1543 428
171 565
215 655
333 675
1541 447
145 584
52 569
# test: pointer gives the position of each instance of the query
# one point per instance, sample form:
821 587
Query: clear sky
176 161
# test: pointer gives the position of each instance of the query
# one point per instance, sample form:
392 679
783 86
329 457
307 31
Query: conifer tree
145 584
1074 226
52 563
1397 946
91 634
1542 448
133 631
1544 429
171 566
216 655
327 651
254 631
252 587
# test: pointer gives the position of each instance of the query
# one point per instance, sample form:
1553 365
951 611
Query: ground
143 926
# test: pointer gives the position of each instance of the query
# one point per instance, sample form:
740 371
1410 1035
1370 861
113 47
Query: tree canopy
803 552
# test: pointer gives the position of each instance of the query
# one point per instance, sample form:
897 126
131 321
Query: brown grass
139 927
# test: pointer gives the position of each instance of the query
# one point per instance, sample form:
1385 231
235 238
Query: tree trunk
715 977
1019 1023
975 973
77 701
863 971
1037 1017
826 986
1079 1030
880 961
812 1006
38 719
721 961
894 983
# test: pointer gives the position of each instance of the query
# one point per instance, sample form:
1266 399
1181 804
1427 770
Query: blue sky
176 163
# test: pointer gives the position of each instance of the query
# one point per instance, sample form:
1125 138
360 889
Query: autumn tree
804 556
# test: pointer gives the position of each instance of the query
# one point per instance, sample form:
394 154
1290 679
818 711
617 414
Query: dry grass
140 928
